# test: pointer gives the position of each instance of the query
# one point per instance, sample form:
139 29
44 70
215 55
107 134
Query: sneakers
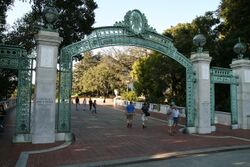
129 125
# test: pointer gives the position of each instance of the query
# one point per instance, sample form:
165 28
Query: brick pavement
9 152
104 136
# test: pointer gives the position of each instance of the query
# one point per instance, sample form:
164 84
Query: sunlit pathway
104 136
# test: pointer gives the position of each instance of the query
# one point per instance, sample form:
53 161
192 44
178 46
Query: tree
183 34
109 71
7 77
149 76
100 79
235 23
235 16
81 68
76 18
8 82
5 5
23 33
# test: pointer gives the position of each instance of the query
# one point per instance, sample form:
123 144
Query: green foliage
8 82
96 77
80 69
100 79
5 5
102 73
23 33
183 35
76 18
149 76
129 96
236 23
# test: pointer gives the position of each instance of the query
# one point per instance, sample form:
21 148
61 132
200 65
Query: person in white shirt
176 114
84 102
173 116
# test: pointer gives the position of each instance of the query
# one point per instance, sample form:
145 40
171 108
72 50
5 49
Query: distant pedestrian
90 104
130 109
84 102
173 116
145 114
176 115
94 107
77 102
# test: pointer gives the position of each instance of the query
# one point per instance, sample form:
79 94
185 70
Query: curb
157 157
24 156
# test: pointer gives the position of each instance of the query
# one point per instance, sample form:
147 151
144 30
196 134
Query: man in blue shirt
130 109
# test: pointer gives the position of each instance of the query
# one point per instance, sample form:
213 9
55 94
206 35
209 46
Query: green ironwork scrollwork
234 105
224 76
133 31
15 57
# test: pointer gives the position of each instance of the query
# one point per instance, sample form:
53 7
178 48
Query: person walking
173 116
170 120
77 102
130 109
176 114
90 104
84 102
145 114
94 107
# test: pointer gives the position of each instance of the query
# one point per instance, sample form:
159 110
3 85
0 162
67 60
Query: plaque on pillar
46 56
205 71
247 76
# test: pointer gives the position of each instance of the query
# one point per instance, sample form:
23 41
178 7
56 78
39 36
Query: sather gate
133 31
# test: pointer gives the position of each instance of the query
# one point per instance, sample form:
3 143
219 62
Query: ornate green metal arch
133 31
15 57
224 76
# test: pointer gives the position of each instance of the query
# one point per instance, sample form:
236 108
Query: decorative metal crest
50 15
136 22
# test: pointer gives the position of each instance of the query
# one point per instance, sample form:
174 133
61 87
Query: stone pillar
241 68
201 62
43 118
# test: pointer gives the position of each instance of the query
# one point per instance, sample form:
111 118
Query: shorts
176 120
144 117
129 116
170 122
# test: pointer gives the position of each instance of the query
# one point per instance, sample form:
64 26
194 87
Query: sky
161 14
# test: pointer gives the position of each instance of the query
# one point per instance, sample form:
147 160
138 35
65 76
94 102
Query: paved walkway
103 139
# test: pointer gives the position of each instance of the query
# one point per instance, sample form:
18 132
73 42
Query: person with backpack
145 114
94 107
90 104
77 102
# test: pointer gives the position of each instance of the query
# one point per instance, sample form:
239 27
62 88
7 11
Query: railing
4 106
220 117
7 104
160 108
